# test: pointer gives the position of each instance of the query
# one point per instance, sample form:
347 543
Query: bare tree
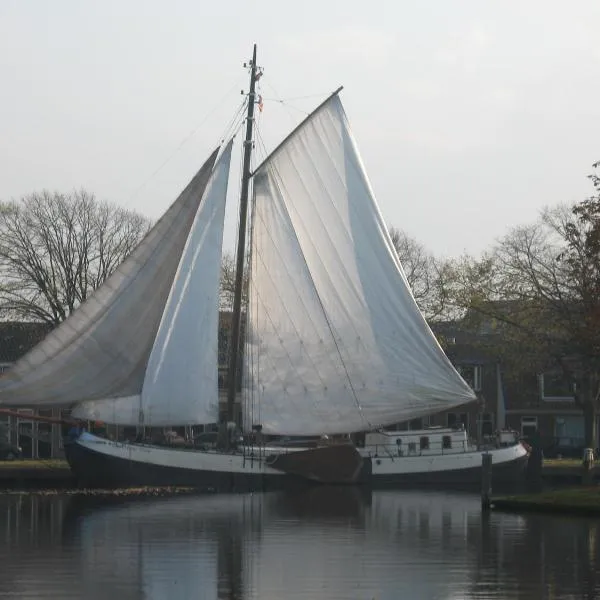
55 249
227 284
540 287
227 289
426 275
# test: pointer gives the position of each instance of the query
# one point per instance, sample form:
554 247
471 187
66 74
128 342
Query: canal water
311 544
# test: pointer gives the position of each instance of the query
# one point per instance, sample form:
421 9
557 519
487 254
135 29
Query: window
446 442
569 431
5 433
554 386
25 438
451 419
424 443
472 375
529 426
416 424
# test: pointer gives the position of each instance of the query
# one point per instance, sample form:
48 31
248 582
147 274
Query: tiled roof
16 338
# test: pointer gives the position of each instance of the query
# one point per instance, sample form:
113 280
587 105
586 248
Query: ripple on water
320 543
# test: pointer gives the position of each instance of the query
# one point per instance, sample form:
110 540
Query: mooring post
588 466
534 475
486 480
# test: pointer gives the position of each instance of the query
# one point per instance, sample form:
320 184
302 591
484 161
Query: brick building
537 405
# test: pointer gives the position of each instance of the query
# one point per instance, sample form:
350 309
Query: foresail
336 342
101 350
181 384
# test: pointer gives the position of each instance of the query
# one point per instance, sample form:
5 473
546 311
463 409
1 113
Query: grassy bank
53 463
138 492
567 463
574 501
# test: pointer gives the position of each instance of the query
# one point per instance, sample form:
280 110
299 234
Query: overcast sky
470 116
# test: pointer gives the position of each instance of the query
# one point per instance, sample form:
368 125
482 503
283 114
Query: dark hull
99 470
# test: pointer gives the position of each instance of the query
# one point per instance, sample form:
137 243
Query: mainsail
98 357
336 342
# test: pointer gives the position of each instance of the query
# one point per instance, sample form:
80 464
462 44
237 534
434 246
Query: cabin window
424 443
446 442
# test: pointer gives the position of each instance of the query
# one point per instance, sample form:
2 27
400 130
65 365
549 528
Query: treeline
535 293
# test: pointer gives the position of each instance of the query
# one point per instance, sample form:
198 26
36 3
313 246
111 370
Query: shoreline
35 474
572 501
51 473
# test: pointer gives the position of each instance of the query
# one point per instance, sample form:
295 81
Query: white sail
102 349
336 342
180 385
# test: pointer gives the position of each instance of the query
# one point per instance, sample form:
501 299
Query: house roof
17 338
461 344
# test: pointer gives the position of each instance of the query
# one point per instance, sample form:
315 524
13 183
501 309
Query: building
535 405
539 406
37 439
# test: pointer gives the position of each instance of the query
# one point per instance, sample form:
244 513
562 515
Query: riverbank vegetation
573 501
53 463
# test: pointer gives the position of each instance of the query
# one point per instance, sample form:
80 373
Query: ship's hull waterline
100 463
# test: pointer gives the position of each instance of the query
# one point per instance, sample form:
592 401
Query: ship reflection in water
313 544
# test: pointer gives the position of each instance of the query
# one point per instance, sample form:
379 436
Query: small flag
260 103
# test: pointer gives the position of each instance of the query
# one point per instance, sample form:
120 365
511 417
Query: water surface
312 544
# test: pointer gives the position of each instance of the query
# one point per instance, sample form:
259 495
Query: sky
469 116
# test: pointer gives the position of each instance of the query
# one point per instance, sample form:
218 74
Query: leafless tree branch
55 249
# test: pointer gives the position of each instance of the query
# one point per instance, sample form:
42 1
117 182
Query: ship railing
408 450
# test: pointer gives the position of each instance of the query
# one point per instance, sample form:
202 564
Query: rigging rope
184 141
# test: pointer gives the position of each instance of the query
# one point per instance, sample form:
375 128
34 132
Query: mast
234 346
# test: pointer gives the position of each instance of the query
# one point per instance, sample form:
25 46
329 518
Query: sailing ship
334 349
